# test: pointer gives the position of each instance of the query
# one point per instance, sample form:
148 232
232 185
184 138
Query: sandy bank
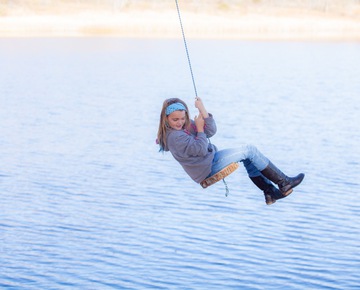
165 24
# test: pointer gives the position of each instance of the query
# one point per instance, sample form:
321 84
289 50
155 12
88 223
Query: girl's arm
199 123
200 106
210 126
185 145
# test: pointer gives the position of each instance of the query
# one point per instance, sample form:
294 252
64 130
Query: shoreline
165 24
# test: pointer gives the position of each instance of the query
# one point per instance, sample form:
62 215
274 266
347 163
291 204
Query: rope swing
220 176
232 166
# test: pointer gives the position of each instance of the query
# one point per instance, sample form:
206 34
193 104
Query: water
87 202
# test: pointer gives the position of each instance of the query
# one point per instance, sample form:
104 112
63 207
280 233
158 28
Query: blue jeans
253 160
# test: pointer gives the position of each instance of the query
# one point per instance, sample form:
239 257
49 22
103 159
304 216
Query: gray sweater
192 150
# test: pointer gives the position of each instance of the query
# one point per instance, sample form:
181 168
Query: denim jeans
253 160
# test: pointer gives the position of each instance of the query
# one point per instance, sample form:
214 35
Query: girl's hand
200 123
200 106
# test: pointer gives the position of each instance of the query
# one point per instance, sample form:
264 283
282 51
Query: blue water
87 202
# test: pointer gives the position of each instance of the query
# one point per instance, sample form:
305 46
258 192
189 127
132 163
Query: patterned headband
175 107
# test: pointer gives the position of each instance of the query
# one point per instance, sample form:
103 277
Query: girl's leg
223 158
251 169
284 182
261 163
271 193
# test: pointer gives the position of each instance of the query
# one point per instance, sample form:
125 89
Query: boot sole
270 201
284 195
288 192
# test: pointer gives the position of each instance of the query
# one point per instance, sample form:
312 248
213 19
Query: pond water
88 202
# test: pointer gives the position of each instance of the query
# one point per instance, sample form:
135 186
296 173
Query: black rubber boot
285 183
271 193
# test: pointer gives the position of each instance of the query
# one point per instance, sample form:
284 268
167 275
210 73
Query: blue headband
175 107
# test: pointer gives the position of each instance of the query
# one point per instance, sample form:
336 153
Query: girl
187 140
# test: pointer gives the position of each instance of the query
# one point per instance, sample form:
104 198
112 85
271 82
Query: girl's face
176 120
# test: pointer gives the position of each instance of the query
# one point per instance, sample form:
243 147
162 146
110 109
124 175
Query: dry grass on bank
242 19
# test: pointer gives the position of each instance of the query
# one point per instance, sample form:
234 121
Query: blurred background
241 19
88 202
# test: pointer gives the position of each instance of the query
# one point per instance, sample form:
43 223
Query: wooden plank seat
219 175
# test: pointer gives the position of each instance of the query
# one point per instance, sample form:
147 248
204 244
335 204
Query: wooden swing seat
219 175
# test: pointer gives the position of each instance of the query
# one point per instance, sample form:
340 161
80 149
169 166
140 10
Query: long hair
163 124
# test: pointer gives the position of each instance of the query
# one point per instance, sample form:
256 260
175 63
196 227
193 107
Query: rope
226 188
186 48
192 75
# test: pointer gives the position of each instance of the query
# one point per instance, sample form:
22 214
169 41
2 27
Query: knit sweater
192 149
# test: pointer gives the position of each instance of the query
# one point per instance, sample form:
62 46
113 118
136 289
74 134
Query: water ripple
87 202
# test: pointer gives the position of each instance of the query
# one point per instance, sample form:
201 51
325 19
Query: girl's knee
251 148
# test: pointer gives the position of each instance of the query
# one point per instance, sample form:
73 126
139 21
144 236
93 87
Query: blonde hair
163 124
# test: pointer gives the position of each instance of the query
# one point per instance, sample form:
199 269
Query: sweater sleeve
185 145
210 126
